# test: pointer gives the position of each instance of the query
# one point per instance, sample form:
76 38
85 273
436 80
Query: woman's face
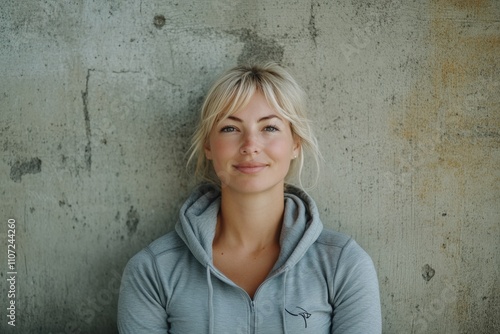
251 150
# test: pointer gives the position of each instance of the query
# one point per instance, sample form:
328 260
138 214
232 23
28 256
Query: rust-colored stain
451 118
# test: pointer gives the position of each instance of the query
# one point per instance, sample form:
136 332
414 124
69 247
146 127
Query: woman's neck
250 221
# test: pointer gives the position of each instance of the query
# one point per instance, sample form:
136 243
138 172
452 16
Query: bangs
276 102
235 98
238 97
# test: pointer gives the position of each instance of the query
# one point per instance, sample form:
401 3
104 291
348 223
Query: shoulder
148 256
165 244
333 238
344 248
352 264
339 242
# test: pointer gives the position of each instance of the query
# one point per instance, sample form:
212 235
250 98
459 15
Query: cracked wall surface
98 101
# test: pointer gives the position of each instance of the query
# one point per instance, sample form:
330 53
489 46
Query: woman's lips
250 168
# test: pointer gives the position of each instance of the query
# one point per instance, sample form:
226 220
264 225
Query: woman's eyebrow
265 118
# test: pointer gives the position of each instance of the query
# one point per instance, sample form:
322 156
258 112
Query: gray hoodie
323 282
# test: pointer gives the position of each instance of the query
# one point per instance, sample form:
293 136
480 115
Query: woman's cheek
280 147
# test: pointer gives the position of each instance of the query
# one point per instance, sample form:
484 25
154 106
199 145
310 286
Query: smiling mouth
250 169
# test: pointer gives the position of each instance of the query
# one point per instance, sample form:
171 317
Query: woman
249 253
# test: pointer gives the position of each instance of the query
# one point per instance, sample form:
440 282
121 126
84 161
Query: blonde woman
249 253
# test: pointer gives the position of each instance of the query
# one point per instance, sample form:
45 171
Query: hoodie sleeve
141 307
356 299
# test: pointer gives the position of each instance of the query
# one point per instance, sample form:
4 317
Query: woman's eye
228 129
271 128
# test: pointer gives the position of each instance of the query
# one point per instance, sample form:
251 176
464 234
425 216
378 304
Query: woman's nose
250 145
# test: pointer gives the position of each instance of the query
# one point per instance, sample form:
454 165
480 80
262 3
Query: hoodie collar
198 219
301 227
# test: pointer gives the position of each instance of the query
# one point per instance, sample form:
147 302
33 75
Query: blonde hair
233 90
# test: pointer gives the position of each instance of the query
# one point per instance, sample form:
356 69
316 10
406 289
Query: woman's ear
296 147
208 151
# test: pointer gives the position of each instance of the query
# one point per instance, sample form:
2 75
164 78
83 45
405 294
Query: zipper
253 316
253 324
277 272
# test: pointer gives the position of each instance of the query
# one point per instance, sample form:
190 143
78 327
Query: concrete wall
98 100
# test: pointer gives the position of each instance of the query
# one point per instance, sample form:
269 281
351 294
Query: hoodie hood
198 218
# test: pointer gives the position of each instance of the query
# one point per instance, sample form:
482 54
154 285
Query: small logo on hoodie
299 311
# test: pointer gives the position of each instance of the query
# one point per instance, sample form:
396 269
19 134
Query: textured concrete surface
98 100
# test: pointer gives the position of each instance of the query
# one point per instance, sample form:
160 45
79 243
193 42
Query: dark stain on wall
492 320
85 99
428 272
159 21
257 48
20 168
313 31
132 220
